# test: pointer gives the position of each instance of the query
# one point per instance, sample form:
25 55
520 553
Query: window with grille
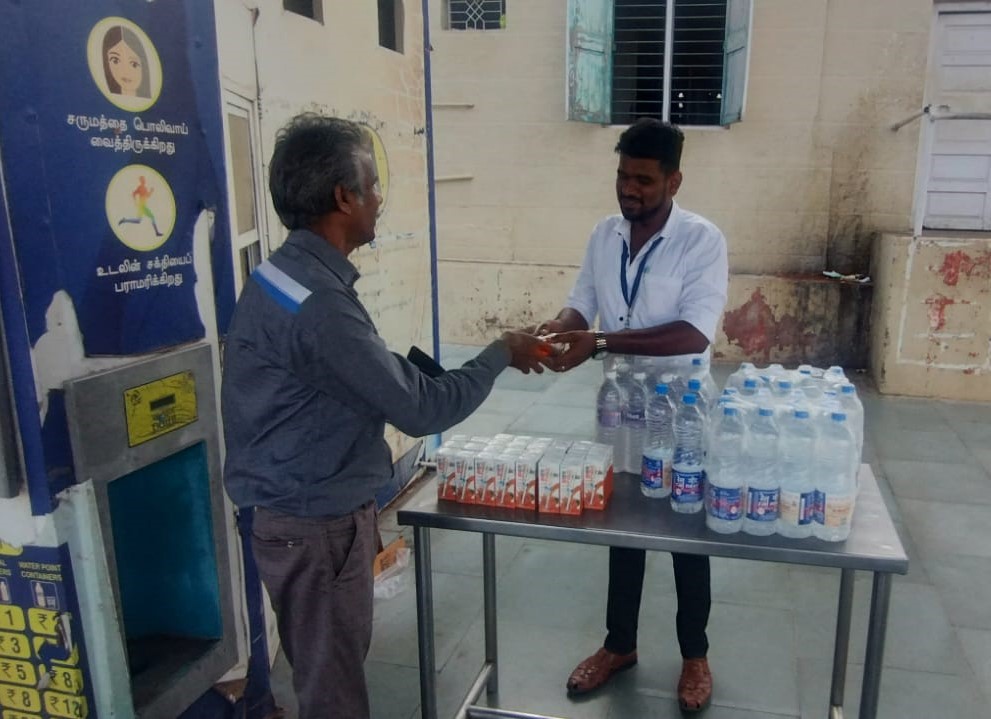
678 60
696 61
475 14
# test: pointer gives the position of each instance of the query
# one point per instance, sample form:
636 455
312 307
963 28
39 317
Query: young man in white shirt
656 277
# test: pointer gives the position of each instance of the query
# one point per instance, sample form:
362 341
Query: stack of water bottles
777 452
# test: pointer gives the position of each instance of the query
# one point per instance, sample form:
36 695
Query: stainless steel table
632 520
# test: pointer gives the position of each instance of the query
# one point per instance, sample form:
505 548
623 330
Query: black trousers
691 578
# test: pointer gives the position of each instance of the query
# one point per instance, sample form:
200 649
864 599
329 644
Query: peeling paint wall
795 320
804 183
931 331
293 64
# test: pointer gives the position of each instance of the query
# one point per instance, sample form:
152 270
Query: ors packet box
523 472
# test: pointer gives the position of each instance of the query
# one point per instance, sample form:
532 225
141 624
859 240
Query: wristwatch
600 345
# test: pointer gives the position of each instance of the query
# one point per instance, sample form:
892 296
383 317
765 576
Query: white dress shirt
685 277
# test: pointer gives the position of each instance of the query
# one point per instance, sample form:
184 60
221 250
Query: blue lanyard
627 295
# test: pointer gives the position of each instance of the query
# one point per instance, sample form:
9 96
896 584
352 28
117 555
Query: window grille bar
668 59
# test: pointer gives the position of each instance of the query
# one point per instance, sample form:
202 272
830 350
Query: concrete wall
804 183
290 64
932 323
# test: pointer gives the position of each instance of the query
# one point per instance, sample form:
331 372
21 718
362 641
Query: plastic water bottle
746 369
676 386
797 500
608 411
836 481
834 376
725 479
658 453
702 398
854 411
763 485
687 477
781 389
749 387
634 422
700 371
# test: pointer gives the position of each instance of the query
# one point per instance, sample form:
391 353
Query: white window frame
235 103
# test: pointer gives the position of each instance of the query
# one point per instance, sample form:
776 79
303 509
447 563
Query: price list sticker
42 671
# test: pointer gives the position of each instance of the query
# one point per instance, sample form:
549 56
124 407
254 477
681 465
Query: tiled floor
771 625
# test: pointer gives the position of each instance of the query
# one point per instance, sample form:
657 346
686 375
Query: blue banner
112 146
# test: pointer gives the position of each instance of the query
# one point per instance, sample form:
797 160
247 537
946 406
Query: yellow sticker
17 672
43 621
71 661
9 550
14 645
63 705
66 680
8 714
12 618
19 698
159 407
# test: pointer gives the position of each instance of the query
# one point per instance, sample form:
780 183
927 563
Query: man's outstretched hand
578 344
529 352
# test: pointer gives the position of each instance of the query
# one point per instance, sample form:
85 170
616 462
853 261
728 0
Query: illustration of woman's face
125 67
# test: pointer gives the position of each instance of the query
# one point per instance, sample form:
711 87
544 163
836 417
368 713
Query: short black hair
653 139
313 155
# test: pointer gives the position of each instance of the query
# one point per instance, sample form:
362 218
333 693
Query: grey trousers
318 573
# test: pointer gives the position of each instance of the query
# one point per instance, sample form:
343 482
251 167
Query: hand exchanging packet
571 348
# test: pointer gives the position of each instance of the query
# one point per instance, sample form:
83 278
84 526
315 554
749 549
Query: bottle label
725 503
797 508
762 505
838 511
655 473
686 487
634 415
610 418
819 511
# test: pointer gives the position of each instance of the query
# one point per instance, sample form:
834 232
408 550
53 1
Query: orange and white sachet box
466 480
506 479
598 479
572 483
447 473
549 483
486 478
526 480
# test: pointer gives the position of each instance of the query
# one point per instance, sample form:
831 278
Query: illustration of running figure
140 196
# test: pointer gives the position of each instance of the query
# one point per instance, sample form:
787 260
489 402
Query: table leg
489 590
842 644
873 657
425 621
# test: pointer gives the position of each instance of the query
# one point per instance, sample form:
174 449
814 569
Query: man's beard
642 214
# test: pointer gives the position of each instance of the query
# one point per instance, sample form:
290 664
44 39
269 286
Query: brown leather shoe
695 685
595 671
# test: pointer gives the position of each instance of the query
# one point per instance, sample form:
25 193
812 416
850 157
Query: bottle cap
839 416
688 399
661 388
765 412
